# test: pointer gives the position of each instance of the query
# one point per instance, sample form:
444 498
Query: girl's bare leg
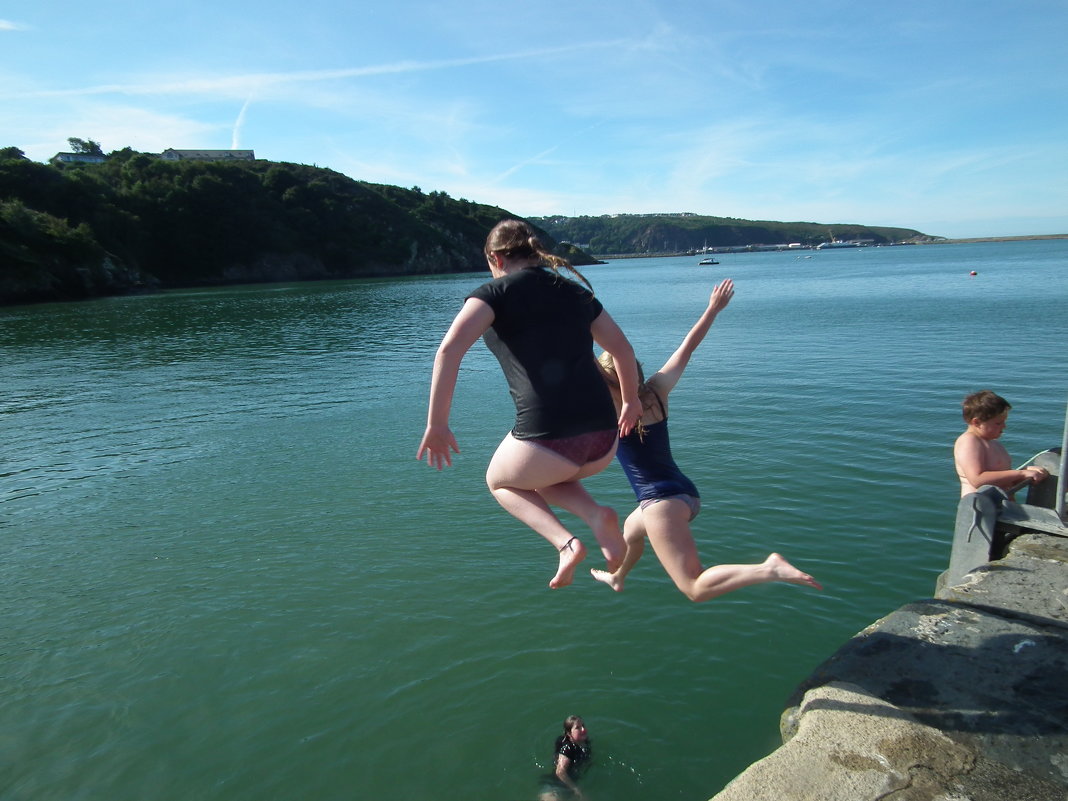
516 473
602 520
667 524
634 537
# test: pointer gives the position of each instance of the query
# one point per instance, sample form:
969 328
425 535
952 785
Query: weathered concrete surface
963 697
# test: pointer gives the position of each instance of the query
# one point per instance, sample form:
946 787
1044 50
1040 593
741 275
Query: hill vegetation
135 222
648 234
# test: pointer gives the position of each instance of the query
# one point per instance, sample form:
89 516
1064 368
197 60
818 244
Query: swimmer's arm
970 457
668 375
438 442
610 337
562 764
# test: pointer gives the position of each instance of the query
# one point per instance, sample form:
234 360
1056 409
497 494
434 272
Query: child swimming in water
571 756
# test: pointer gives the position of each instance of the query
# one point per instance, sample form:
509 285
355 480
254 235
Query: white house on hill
71 158
170 154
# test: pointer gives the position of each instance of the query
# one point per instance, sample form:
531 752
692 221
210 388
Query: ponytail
515 239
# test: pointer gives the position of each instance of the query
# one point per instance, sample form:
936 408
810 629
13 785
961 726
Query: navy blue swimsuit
649 465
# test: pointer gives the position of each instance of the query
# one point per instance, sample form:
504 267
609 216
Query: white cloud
8 25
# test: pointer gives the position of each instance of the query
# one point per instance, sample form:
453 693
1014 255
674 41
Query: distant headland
1003 238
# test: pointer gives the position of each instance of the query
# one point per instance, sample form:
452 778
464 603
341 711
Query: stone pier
959 697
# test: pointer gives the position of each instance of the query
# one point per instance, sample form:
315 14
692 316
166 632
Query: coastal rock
850 745
276 267
955 698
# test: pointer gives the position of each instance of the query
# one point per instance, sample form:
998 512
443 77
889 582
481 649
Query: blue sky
948 116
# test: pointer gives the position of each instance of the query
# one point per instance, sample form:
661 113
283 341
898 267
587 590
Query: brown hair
516 239
984 405
569 723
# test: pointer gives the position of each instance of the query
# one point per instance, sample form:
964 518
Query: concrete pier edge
960 697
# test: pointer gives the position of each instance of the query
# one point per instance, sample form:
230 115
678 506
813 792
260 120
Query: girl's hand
438 444
628 417
721 296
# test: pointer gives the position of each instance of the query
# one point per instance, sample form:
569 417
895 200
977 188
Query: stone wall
961 697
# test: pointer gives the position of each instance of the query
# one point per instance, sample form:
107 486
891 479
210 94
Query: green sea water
223 575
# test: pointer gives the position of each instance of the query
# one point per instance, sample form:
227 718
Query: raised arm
438 442
610 337
668 376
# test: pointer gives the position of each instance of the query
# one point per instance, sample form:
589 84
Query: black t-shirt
541 337
578 754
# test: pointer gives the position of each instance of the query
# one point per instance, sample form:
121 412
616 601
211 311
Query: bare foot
610 579
785 572
609 537
570 556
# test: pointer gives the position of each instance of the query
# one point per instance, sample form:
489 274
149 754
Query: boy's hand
1036 474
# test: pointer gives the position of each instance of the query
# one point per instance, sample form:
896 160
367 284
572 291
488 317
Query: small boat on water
709 260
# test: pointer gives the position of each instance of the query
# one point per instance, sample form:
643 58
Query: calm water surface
224 576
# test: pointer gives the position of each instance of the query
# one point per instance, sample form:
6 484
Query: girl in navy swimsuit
667 499
541 327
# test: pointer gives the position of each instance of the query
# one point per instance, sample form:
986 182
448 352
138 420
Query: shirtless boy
978 456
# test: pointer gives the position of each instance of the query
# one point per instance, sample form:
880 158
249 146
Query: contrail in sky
533 159
241 83
239 124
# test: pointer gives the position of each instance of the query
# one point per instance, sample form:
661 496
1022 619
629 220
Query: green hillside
136 222
646 234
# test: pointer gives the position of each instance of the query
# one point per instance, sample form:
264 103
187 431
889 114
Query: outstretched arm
668 375
610 337
438 442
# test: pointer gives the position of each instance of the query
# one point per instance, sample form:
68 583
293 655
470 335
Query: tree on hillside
11 153
87 146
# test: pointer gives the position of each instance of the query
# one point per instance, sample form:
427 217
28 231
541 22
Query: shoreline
1000 239
603 258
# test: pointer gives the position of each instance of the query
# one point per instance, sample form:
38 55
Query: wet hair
515 239
984 405
569 723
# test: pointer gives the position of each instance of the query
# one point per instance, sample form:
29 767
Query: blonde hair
516 239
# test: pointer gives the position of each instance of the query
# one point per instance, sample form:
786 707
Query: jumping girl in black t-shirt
541 327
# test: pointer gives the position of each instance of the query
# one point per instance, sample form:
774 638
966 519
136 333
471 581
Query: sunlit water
223 575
